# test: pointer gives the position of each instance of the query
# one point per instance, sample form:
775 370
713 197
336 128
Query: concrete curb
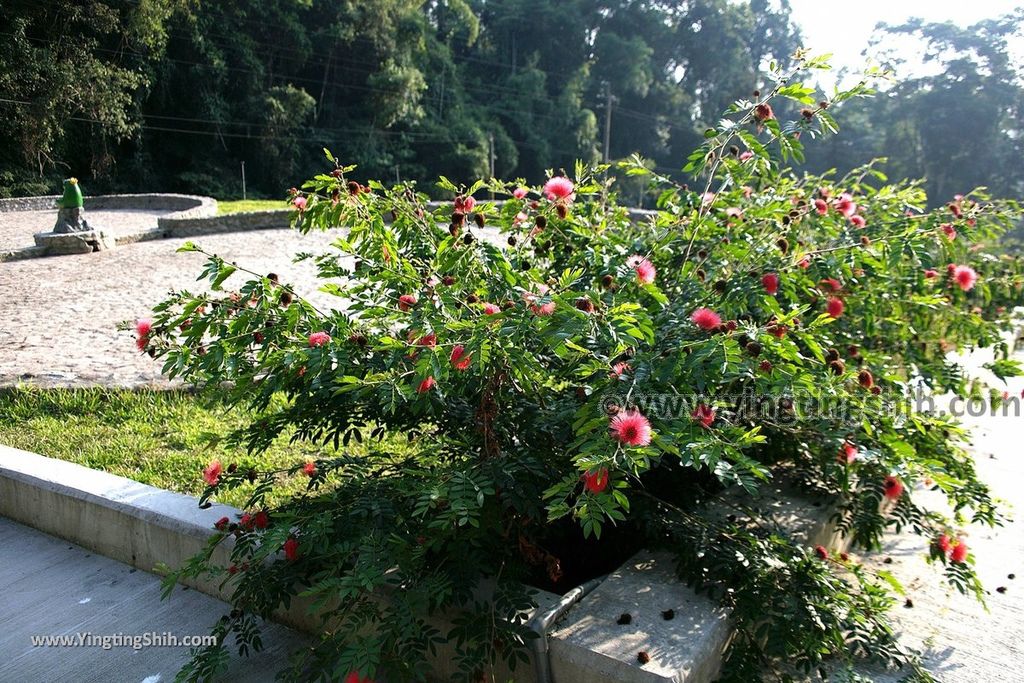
122 519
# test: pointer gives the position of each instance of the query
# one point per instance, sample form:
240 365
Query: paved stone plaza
17 227
59 315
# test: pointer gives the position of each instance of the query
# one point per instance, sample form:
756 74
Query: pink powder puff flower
631 428
459 358
835 307
845 205
143 326
211 473
299 203
543 310
892 487
703 415
519 192
746 156
770 281
705 319
858 221
596 482
309 469
821 206
429 340
931 273
491 309
559 187
949 231
944 543
645 270
426 385
406 302
707 198
965 277
319 339
620 368
821 551
291 549
849 453
959 553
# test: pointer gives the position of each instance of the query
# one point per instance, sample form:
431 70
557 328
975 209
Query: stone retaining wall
177 225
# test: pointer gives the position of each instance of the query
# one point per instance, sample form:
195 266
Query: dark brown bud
865 240
353 187
478 218
607 281
448 281
562 210
754 349
876 390
454 230
512 240
720 286
702 254
831 355
541 222
472 299
866 379
783 245
286 298
837 366
524 265
467 239
585 304
272 277
807 113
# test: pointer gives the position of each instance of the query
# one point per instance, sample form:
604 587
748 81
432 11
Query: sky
844 28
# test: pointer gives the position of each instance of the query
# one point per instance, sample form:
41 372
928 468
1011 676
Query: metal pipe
542 621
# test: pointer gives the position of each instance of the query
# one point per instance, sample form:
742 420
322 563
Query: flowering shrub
503 383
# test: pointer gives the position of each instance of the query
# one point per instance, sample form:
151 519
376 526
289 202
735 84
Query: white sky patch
845 28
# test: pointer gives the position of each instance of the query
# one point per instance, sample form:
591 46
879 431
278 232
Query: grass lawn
240 205
156 437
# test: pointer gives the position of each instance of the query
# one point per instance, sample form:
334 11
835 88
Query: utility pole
243 180
490 157
608 99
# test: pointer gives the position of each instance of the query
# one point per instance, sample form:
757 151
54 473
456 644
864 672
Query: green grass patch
161 438
242 205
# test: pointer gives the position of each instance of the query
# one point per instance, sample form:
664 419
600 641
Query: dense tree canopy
175 94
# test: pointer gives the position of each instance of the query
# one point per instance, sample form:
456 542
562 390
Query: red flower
858 221
804 263
931 273
845 205
777 331
543 310
765 366
892 487
965 276
631 428
464 204
821 206
703 414
245 521
221 524
491 309
459 358
519 192
763 112
143 326
406 301
959 553
620 368
211 473
426 385
835 307
429 340
705 319
299 203
354 677
233 569
770 282
849 453
832 283
559 187
596 482
866 379
291 549
645 270
821 552
319 339
261 520
309 469
943 543
949 230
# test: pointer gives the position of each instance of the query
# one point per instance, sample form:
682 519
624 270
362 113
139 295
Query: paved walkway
960 641
53 588
59 315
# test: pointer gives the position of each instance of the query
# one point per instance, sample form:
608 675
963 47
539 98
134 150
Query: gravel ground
17 227
58 315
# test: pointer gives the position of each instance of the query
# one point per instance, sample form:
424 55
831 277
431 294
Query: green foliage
504 356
